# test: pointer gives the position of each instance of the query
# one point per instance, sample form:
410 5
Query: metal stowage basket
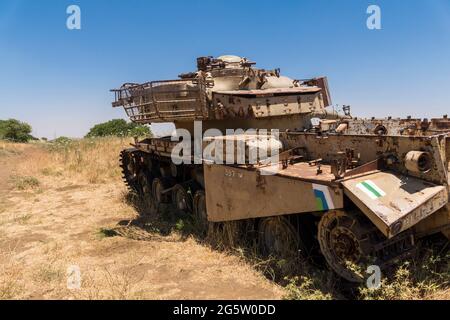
163 101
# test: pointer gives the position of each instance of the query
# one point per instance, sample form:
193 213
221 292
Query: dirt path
46 230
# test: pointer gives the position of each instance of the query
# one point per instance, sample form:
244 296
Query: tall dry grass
91 161
8 148
96 161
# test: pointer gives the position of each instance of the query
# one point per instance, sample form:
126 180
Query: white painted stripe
326 192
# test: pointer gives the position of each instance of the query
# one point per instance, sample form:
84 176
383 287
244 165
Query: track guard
394 203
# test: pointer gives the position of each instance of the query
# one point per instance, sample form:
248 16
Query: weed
25 182
10 286
305 288
424 278
48 273
23 219
106 233
51 172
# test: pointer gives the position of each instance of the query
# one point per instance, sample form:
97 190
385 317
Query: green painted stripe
319 204
369 187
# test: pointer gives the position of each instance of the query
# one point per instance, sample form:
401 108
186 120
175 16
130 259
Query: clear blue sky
59 80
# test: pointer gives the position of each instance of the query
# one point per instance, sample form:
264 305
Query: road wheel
158 186
278 237
181 199
145 185
345 240
199 212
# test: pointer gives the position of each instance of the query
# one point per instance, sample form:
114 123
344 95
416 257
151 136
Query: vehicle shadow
239 238
298 274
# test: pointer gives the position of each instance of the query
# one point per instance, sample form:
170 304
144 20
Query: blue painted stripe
321 196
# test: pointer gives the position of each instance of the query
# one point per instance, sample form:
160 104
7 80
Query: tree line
18 131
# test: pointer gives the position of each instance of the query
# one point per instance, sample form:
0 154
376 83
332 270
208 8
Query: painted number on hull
233 174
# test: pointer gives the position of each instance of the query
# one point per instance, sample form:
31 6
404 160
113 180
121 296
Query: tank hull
370 188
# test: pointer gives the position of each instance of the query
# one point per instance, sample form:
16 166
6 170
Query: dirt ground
64 207
57 224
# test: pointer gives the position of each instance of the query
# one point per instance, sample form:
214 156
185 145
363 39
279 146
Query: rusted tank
368 188
227 92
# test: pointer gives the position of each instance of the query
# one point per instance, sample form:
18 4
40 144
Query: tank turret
226 92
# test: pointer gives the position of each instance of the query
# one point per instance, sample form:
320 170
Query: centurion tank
364 190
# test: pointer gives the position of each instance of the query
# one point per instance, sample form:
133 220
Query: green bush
118 128
62 140
15 130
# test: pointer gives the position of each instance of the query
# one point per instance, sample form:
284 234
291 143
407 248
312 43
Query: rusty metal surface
235 193
447 151
393 202
307 172
398 127
408 159
317 153
225 106
222 88
408 197
162 101
270 92
367 148
322 83
438 221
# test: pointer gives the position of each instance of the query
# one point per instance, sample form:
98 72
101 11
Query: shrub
25 183
305 288
118 128
62 140
15 131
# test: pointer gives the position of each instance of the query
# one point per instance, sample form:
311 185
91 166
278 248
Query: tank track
128 162
349 236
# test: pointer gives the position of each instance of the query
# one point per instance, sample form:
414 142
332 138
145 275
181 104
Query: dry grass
67 206
81 215
25 183
10 276
91 160
8 148
301 277
425 278
87 160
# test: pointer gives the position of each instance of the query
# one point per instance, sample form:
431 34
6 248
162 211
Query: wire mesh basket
163 101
